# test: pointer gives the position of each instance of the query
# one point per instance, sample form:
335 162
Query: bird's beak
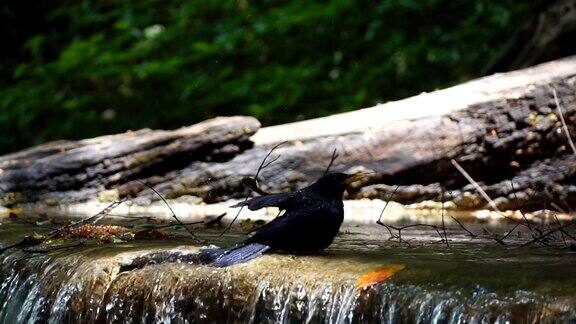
354 177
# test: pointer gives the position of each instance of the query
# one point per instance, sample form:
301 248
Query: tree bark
78 170
500 128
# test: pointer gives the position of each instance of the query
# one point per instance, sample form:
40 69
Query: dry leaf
104 233
378 275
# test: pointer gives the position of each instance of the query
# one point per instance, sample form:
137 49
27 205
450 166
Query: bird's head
337 182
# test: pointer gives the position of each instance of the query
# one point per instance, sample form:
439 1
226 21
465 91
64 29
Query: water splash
81 289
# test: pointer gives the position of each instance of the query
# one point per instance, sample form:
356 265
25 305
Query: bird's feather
240 254
275 200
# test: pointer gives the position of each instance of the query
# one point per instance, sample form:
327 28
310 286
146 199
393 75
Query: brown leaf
378 275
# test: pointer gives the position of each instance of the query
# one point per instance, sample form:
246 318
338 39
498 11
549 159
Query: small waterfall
83 288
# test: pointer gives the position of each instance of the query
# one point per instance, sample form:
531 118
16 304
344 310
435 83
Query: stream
467 281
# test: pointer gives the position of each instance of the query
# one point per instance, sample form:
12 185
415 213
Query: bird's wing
275 200
292 223
276 228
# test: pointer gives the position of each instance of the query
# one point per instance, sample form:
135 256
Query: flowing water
466 282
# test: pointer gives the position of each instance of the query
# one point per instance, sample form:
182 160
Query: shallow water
468 281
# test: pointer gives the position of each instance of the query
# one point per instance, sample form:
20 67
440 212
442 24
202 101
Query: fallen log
499 128
79 170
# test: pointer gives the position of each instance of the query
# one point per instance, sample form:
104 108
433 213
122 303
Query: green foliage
91 67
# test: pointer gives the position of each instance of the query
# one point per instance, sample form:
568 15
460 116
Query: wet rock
75 288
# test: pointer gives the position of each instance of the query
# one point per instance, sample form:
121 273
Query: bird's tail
219 257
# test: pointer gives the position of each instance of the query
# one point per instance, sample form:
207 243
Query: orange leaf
378 275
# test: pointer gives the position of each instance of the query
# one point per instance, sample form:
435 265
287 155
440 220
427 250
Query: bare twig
379 221
267 165
463 227
483 193
443 224
262 166
562 231
395 236
475 185
332 159
507 234
521 212
194 237
152 228
400 229
558 208
32 240
550 232
559 109
251 184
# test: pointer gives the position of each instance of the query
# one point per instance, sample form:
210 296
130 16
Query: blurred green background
76 69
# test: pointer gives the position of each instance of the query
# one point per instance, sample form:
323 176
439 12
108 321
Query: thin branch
394 236
559 109
463 227
483 193
475 184
29 241
388 228
251 184
521 212
561 231
400 229
558 208
194 237
379 221
260 168
269 163
507 234
553 231
332 159
443 224
152 228
435 227
234 219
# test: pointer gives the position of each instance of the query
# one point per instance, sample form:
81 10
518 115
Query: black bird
312 219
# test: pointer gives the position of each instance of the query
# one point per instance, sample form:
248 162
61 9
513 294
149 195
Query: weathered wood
68 170
498 128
